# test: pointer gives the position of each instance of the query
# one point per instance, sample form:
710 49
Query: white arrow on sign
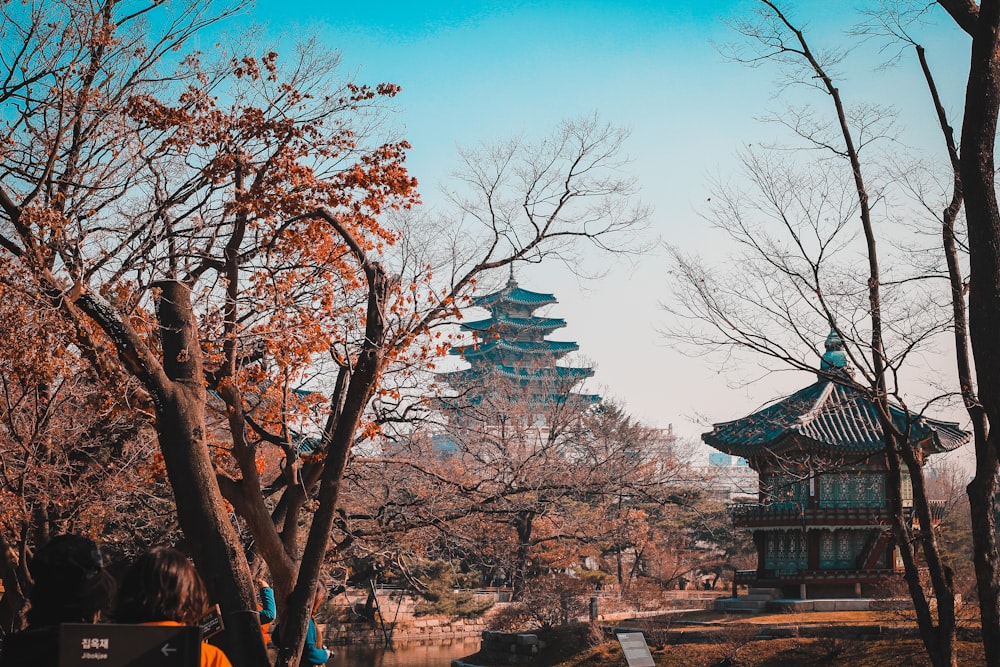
166 650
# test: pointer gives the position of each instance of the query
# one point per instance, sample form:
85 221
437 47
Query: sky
475 72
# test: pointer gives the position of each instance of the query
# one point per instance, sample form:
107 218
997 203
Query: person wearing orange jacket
163 588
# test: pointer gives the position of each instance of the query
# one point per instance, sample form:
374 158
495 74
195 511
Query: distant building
720 459
729 478
727 461
821 519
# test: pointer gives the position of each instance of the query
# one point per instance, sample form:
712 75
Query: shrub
555 599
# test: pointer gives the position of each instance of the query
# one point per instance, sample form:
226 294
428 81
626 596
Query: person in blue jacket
313 653
267 611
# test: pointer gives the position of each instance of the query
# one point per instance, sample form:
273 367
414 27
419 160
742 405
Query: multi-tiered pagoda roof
512 345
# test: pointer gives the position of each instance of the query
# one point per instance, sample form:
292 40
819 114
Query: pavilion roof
827 417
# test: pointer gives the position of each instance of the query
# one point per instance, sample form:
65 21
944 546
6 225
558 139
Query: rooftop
832 417
511 293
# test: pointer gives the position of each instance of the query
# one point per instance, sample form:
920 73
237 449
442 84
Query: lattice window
876 488
785 551
840 549
852 489
843 546
826 547
786 491
860 488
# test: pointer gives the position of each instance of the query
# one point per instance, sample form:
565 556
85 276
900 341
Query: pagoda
511 354
821 525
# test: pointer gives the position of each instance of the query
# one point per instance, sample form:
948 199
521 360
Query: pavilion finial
835 358
511 280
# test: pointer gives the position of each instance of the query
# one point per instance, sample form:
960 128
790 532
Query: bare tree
799 228
975 185
511 485
971 159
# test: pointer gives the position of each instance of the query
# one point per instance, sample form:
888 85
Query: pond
436 653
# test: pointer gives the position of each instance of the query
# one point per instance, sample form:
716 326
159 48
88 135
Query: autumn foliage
224 243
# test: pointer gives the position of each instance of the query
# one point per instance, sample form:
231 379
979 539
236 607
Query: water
436 653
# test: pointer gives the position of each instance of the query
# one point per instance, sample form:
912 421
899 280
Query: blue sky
475 71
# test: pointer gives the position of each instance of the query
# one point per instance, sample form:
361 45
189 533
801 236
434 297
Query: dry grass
781 653
829 617
735 646
803 618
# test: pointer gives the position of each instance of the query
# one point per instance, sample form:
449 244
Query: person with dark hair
163 588
70 586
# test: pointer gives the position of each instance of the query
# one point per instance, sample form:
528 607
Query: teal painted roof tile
491 347
830 417
513 294
501 321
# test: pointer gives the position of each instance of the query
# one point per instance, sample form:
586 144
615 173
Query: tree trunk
359 391
982 492
982 102
938 638
202 514
13 604
523 524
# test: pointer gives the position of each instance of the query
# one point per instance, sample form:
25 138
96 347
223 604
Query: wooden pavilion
821 524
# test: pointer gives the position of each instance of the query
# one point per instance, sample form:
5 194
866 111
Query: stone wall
367 632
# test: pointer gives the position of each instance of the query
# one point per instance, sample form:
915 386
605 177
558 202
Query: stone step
770 592
740 605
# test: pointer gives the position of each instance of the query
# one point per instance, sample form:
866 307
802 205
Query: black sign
90 645
211 623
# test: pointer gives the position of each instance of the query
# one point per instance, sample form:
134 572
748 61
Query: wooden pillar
813 543
760 541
